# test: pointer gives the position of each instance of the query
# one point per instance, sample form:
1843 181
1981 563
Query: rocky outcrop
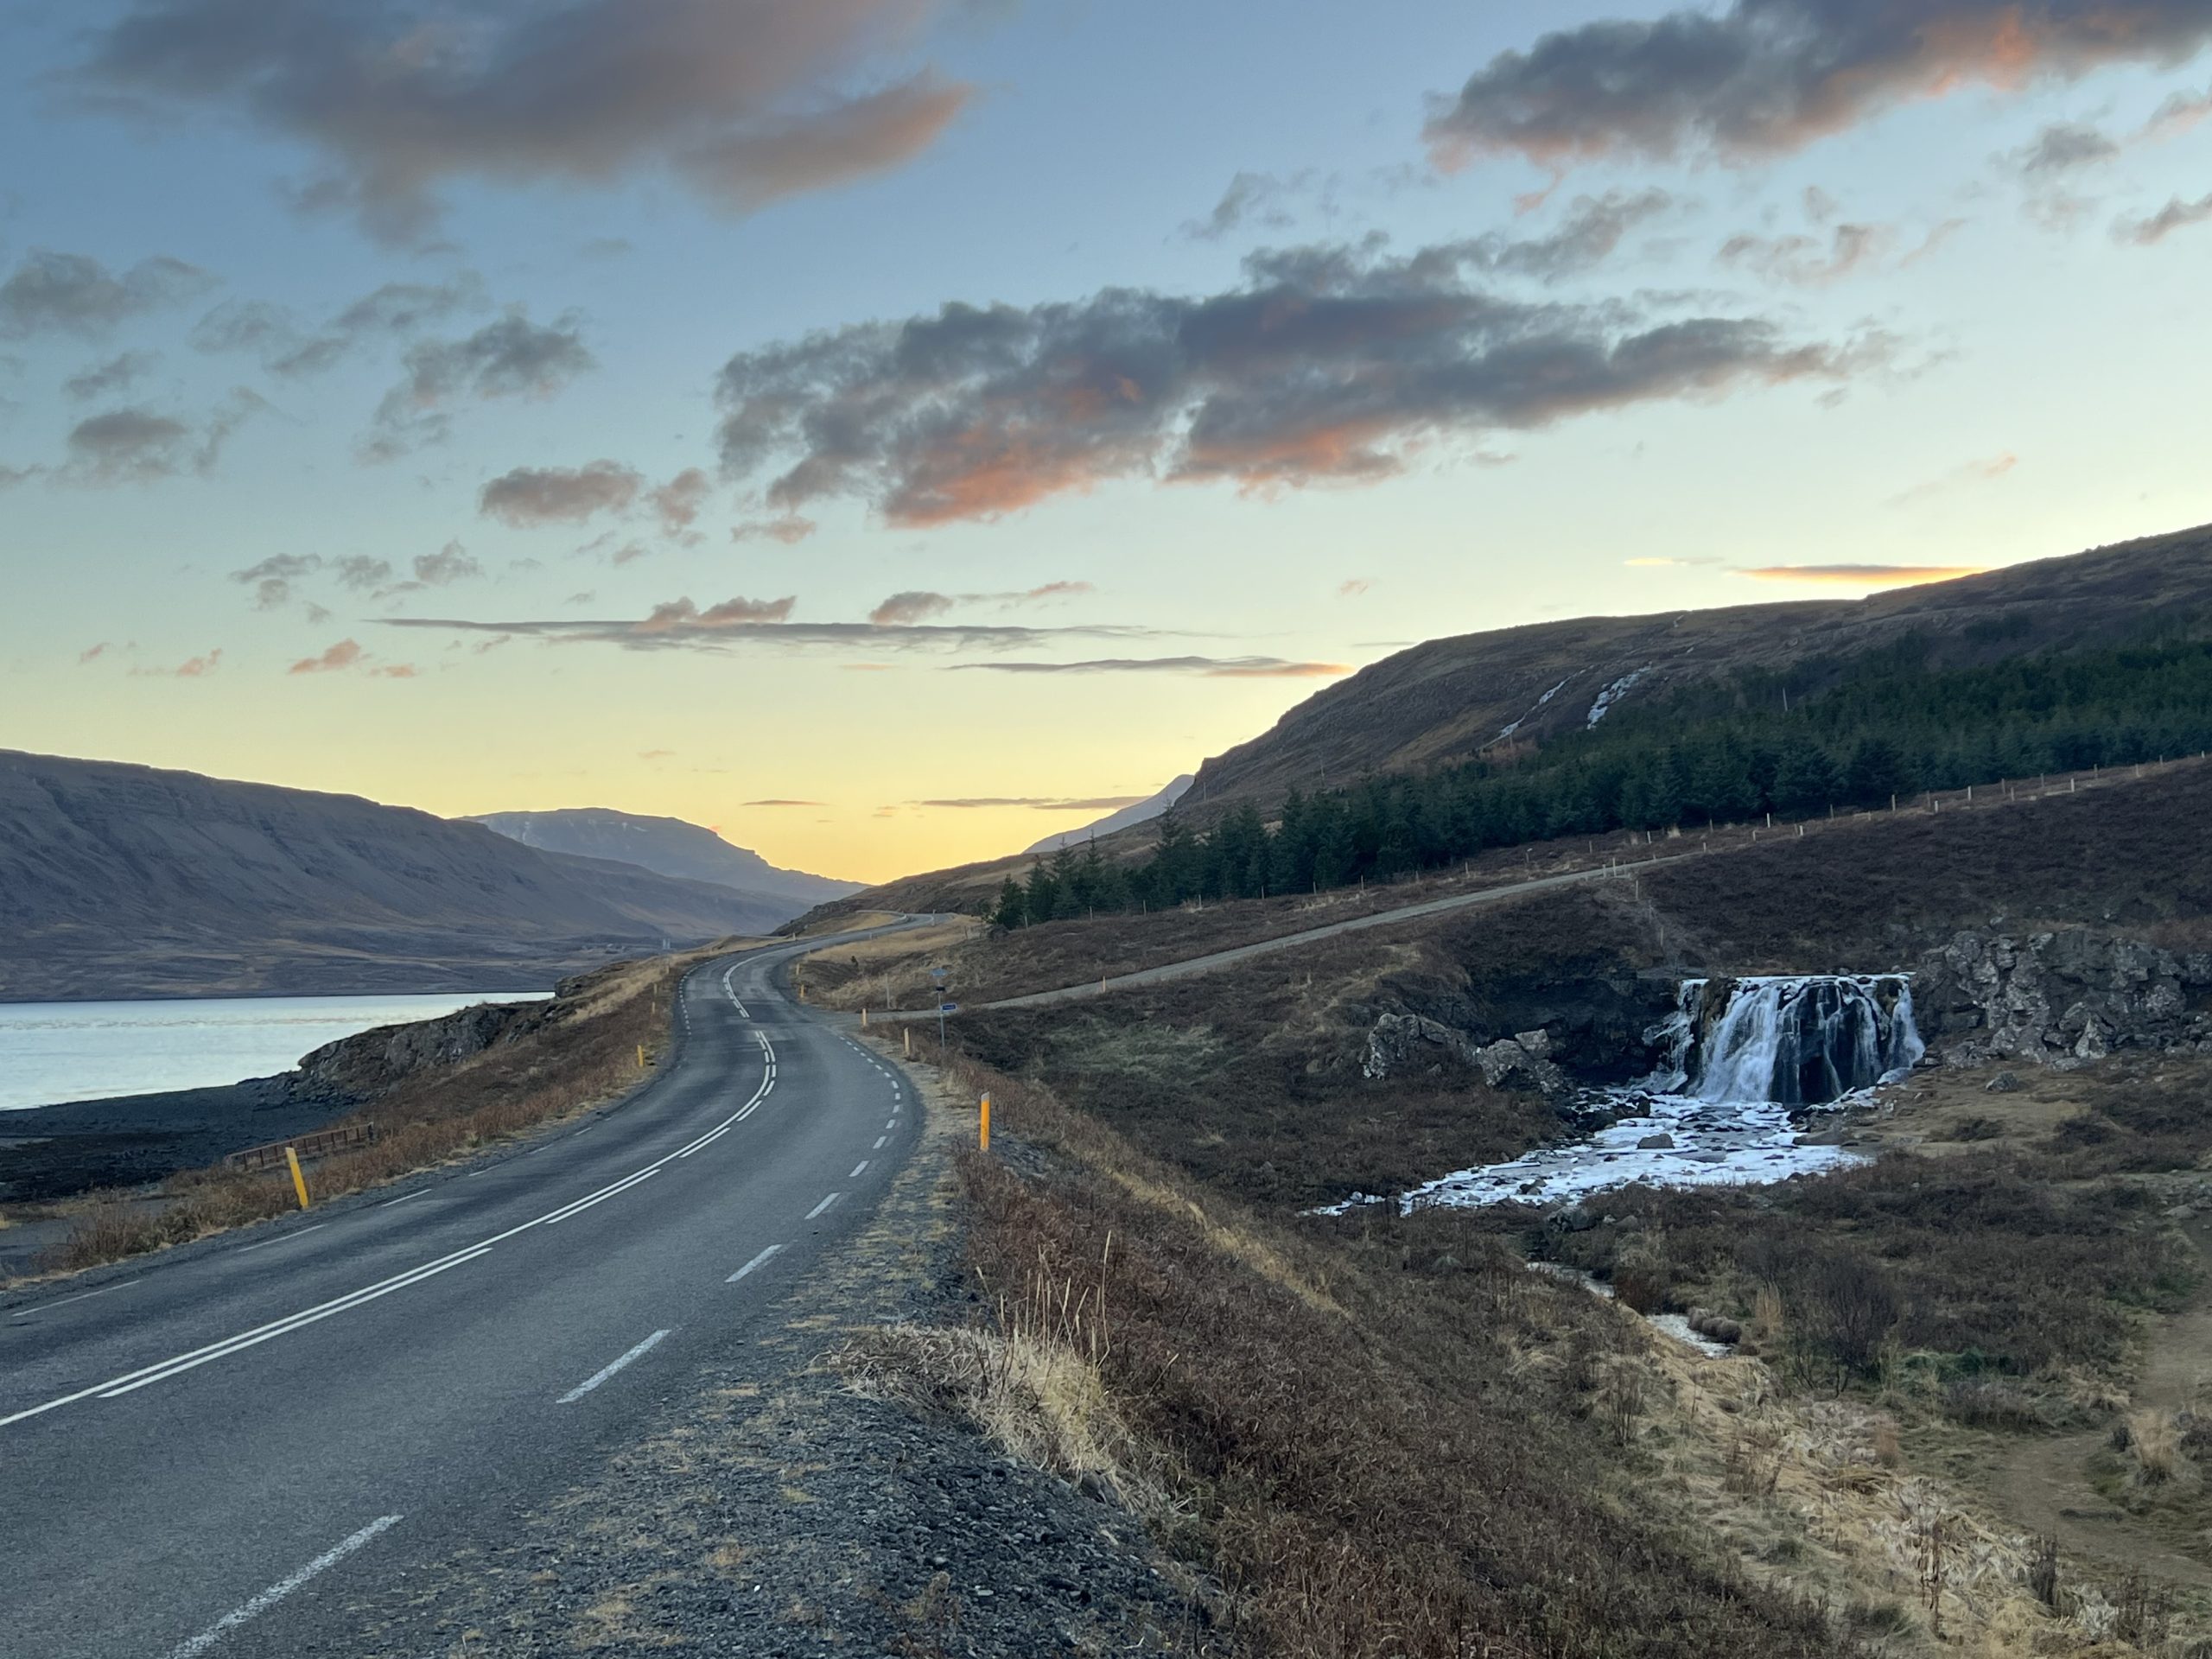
2059 998
373 1062
1410 1042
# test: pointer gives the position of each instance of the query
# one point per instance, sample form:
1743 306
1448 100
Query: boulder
2004 1083
1655 1143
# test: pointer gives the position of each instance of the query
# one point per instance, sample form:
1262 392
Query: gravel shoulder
766 1508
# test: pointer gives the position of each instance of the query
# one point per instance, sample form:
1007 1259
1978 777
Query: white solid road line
857 1168
176 1364
79 1297
756 1261
276 1592
167 1369
587 1386
404 1197
281 1238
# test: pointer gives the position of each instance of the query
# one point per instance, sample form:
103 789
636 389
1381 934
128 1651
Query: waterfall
1795 1040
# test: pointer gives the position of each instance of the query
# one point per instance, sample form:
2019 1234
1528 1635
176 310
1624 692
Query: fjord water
54 1053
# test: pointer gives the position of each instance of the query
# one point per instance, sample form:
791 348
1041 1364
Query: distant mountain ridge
668 846
1450 700
119 882
1143 811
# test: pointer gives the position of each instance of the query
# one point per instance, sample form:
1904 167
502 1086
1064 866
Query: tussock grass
1418 1480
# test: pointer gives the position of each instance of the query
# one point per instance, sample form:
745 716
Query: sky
892 431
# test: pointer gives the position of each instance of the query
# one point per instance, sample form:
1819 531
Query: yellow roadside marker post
641 1057
299 1180
983 1143
910 1042
863 1019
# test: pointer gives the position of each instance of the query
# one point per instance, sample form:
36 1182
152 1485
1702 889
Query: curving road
216 1451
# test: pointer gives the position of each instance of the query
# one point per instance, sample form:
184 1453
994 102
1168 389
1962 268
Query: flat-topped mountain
121 881
690 852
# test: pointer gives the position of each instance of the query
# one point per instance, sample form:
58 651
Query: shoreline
49 1153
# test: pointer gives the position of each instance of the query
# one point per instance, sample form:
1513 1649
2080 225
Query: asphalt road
216 1451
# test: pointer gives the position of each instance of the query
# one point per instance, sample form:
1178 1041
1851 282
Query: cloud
1041 803
1987 470
1353 588
790 529
2061 148
92 654
1255 198
52 293
393 311
511 358
2181 111
271 580
677 503
1326 365
2176 215
919 607
682 616
909 608
782 803
1767 77
1219 668
192 668
1663 563
1863 575
742 623
1806 261
362 573
450 564
740 100
531 496
347 653
111 378
134 445
1593 228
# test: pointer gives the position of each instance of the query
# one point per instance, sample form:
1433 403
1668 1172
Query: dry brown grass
1371 1453
585 1056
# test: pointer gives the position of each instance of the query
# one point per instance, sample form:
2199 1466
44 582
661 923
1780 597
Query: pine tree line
1722 752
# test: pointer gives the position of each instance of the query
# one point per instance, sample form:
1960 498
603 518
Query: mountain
124 881
667 847
1143 812
1450 700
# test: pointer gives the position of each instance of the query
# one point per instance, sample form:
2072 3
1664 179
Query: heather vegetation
1805 742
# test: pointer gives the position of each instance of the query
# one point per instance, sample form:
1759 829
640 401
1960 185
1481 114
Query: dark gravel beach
54 1152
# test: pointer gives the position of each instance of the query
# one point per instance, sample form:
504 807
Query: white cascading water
1743 1060
1801 1039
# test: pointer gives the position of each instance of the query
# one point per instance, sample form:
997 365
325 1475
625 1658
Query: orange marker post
983 1139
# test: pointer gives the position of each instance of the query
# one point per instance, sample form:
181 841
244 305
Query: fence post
983 1126
299 1180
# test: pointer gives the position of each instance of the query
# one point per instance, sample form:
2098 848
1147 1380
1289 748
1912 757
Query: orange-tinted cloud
1863 575
1766 77
1325 364
347 653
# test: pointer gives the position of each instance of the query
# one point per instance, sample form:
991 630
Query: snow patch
1613 693
1508 731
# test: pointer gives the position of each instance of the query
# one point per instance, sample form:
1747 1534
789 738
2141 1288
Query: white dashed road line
759 1261
598 1378
276 1592
824 1204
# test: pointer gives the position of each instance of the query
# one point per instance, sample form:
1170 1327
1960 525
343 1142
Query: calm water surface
51 1052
